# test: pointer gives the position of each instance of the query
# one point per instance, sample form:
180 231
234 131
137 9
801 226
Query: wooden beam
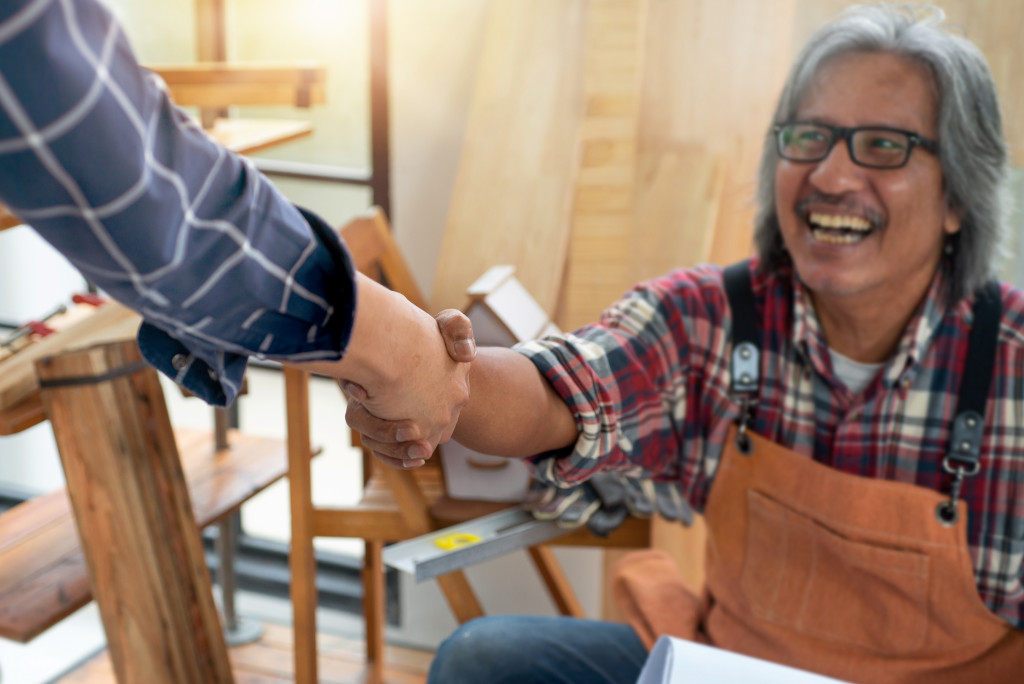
213 84
108 322
134 516
513 194
301 560
211 46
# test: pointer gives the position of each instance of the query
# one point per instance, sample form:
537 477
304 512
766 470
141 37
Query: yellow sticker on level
457 540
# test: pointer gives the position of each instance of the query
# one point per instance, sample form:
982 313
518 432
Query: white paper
677 661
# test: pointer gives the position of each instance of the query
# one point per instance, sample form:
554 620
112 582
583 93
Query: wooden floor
269 661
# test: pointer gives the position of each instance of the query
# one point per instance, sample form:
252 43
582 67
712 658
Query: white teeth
834 221
837 238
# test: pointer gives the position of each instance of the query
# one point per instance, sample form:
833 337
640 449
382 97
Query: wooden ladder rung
377 516
43 576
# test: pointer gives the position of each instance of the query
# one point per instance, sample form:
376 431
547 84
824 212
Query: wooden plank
213 84
247 136
713 72
23 415
132 509
301 560
460 596
43 577
633 533
605 189
106 323
212 73
678 195
211 46
374 595
512 195
56 320
557 583
366 521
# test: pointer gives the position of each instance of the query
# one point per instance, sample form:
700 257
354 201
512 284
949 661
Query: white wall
34 279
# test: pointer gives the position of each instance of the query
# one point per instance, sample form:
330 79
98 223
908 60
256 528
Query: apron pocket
803 575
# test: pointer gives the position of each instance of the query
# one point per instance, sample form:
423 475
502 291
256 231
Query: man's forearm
513 410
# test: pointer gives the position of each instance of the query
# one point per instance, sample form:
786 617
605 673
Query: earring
948 249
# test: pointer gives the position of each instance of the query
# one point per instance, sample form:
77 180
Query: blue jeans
524 649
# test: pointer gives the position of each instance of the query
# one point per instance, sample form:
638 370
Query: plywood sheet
597 271
512 195
713 72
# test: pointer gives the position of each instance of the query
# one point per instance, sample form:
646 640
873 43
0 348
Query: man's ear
952 223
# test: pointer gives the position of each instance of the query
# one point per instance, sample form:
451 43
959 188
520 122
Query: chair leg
373 609
555 580
301 558
461 598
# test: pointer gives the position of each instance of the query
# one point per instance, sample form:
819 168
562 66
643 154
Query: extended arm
513 411
619 392
96 157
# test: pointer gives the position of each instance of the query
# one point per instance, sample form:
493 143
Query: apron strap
745 360
964 456
746 344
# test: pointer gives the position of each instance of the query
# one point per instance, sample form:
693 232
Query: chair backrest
376 254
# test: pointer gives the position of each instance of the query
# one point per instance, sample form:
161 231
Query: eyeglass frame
846 133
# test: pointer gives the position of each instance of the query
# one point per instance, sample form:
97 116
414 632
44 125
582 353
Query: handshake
603 502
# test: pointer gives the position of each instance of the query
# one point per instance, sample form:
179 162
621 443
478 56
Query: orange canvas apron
833 573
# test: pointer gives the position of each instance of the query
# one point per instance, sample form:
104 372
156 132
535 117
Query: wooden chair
395 505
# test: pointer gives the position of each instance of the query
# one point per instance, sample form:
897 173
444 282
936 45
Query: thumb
457 332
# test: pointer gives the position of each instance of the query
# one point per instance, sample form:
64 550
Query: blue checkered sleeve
95 156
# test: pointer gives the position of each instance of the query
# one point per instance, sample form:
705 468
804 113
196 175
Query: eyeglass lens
869 146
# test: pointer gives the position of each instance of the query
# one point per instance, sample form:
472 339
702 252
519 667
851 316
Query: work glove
603 502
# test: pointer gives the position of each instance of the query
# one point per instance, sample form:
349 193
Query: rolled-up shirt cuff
213 375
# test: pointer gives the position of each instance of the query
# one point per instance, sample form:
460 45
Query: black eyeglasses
876 147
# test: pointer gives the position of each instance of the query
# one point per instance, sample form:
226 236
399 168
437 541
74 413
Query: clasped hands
601 503
403 421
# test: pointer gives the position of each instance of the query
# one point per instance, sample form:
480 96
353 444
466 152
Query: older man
858 453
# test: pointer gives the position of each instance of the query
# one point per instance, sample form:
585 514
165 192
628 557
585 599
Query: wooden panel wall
512 195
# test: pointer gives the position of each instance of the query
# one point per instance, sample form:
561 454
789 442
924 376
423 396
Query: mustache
837 202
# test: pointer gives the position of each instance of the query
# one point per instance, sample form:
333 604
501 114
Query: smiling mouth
839 229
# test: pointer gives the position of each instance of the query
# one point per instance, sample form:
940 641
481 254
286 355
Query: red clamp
33 328
38 328
88 298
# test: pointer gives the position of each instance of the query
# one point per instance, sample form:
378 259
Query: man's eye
884 143
812 136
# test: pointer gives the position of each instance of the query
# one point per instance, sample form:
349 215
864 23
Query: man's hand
408 443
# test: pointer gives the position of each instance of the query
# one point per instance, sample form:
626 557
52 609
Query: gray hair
972 149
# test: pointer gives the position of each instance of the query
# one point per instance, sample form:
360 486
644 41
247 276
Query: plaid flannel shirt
649 388
96 157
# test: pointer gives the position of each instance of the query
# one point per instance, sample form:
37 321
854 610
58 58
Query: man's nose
837 173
